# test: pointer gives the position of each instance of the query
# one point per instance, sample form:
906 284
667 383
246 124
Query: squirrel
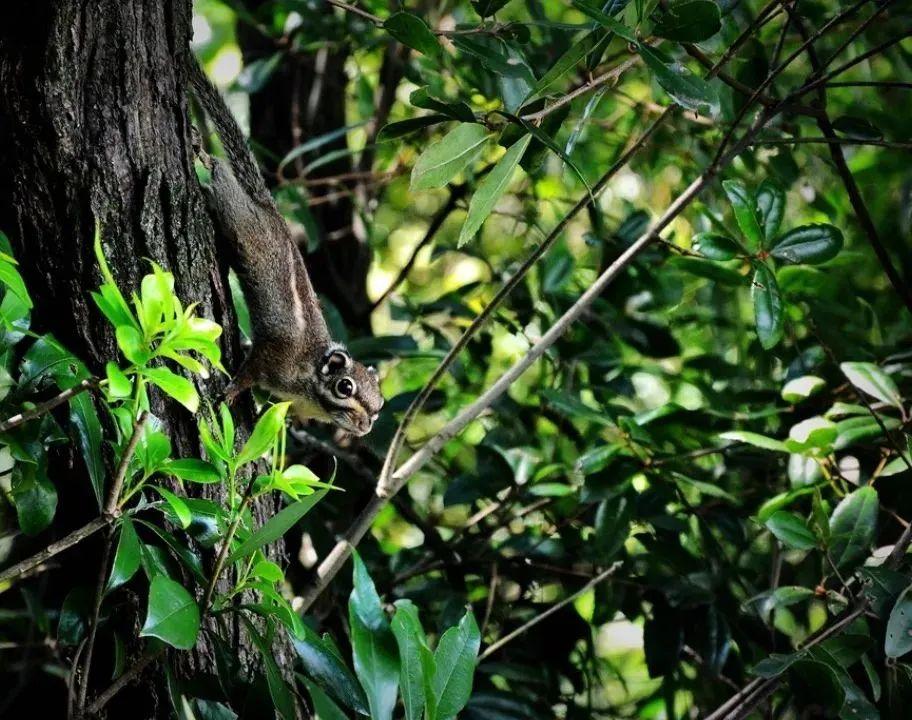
293 355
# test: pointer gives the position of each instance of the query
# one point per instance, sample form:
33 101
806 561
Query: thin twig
120 683
892 144
111 510
48 405
77 536
437 221
111 506
509 637
610 76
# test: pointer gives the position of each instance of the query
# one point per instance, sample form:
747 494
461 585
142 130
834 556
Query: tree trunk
94 127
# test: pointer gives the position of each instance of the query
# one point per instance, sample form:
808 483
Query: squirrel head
347 391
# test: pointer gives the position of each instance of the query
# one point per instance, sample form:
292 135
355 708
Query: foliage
727 419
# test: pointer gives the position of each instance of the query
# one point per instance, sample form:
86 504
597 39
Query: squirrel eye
345 388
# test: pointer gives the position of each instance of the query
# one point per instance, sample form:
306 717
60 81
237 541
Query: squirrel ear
335 360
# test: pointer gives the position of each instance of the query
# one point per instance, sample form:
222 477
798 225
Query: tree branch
77 536
385 489
48 405
509 637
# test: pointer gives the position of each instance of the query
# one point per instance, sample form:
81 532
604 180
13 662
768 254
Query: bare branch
509 637
77 536
48 405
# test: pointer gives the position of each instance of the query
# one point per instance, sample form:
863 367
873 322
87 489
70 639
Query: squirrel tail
243 165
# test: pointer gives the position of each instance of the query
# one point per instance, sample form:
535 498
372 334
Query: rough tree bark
94 125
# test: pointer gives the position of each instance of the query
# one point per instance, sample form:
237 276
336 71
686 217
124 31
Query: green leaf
264 434
282 697
447 157
127 558
410 638
870 379
791 531
87 427
277 526
612 526
10 277
172 614
177 505
768 310
594 10
119 385
809 244
689 21
187 557
814 432
491 188
898 640
717 247
422 98
374 649
801 388
34 495
131 344
74 615
755 439
685 88
776 664
745 209
853 526
325 667
324 706
174 385
193 470
770 209
455 663
395 130
268 570
411 30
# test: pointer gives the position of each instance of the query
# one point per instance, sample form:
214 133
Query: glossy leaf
374 649
717 247
810 244
770 209
193 470
791 531
853 527
176 386
871 379
745 209
410 639
454 659
411 30
326 668
282 697
127 557
172 614
277 526
768 310
264 434
686 89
